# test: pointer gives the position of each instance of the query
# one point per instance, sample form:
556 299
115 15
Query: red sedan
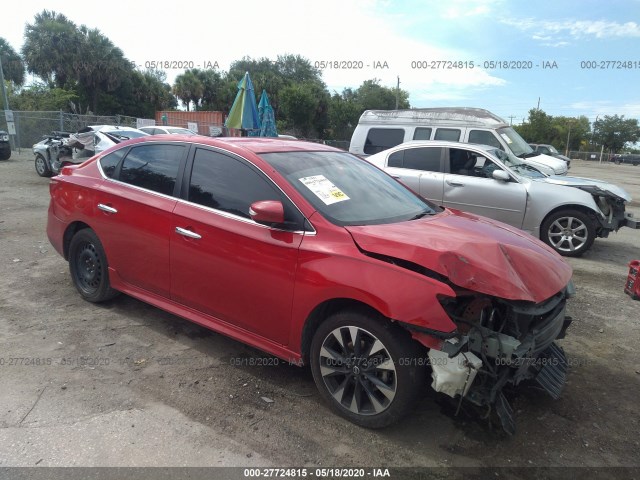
316 256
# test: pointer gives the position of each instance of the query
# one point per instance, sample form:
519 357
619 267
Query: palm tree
188 88
50 47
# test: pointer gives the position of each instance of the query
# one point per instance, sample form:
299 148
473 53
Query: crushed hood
588 184
473 252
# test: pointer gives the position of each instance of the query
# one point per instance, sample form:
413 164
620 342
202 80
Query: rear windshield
347 190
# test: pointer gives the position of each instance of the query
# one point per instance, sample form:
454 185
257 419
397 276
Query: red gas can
632 286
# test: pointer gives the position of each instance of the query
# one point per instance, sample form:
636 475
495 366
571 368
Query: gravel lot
126 384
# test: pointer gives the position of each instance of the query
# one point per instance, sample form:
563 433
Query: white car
163 130
567 213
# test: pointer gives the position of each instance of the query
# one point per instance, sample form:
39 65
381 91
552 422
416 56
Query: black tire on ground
568 232
367 369
5 154
89 268
42 166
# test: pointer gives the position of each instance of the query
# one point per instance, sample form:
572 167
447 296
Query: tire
372 389
568 232
42 166
5 154
89 268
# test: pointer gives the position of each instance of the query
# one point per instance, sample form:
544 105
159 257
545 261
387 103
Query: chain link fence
32 126
590 156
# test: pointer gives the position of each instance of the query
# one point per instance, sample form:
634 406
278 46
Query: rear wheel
42 166
368 370
5 153
89 268
568 232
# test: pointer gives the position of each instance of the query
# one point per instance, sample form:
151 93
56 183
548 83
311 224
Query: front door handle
187 233
107 208
453 183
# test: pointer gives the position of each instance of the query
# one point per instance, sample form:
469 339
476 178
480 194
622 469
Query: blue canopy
267 117
244 112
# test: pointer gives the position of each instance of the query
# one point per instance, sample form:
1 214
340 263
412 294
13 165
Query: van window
424 158
422 133
482 137
450 134
379 139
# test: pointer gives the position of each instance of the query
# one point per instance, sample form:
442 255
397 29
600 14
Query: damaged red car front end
316 256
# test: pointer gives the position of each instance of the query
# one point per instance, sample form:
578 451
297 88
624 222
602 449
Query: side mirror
500 175
267 212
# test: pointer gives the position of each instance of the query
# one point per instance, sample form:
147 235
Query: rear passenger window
449 134
379 139
154 167
482 137
426 159
111 161
422 133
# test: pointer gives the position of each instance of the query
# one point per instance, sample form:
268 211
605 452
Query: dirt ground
126 384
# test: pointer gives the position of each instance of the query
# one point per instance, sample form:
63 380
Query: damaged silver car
567 213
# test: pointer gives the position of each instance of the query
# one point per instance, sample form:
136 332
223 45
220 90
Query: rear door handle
187 233
107 208
453 183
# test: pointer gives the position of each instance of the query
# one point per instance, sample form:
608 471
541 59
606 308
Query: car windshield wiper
420 215
527 155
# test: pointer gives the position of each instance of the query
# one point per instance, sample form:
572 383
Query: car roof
439 143
249 144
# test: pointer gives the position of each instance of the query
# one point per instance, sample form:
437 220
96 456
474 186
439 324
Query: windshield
517 165
515 142
552 149
347 190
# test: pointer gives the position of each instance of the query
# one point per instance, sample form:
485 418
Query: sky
569 57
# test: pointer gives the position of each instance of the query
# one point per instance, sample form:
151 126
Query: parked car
315 256
5 146
566 213
629 158
550 150
163 130
60 148
378 130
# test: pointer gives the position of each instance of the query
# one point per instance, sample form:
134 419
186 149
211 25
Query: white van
379 130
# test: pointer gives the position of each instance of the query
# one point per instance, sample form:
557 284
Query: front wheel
89 268
42 166
368 370
568 232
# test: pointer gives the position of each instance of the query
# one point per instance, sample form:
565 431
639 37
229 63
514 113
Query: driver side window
470 164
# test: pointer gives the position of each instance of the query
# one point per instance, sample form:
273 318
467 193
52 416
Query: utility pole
398 92
538 104
568 137
511 117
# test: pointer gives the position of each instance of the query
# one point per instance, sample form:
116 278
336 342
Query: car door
470 187
134 211
223 263
420 169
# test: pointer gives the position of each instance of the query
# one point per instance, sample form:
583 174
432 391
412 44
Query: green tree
373 96
188 88
615 131
50 48
102 68
40 96
12 64
299 105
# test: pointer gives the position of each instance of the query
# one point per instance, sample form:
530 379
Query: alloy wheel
358 370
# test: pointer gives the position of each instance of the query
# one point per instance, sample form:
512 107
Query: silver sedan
567 213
